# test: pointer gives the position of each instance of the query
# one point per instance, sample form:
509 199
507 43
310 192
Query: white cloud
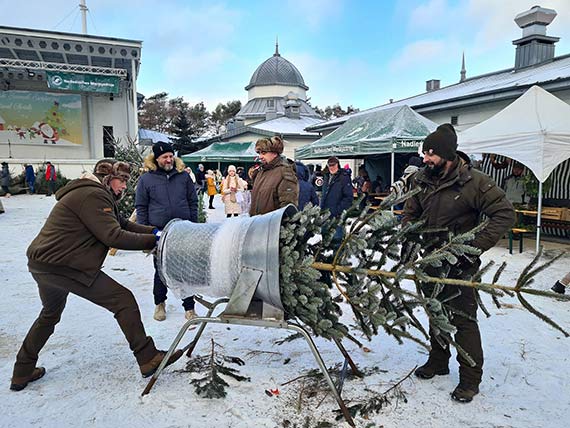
315 13
419 53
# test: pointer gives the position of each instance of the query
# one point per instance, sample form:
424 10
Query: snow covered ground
92 378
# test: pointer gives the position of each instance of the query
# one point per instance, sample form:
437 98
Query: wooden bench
519 231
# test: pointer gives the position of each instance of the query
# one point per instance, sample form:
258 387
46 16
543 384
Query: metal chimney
432 85
535 46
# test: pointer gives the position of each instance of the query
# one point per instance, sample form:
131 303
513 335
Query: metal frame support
253 323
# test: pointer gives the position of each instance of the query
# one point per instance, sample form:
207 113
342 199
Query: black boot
464 392
431 369
559 288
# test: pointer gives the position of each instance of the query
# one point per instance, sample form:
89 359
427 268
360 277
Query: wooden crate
552 213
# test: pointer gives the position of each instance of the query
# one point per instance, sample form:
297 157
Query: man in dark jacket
454 196
337 192
66 257
275 183
164 193
307 192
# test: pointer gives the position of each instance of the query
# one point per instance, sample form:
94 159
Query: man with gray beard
164 193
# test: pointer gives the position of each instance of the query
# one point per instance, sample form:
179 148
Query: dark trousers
467 335
31 185
211 201
51 187
159 291
104 292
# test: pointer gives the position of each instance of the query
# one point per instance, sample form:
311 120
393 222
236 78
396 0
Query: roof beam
52 66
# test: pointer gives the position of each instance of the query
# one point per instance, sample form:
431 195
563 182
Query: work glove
157 233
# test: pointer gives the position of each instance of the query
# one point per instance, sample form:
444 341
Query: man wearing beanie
164 193
454 196
275 182
66 257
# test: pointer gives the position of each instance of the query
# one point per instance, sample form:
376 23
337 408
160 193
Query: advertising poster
40 118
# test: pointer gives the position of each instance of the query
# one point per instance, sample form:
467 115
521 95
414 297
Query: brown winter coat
275 185
78 232
457 200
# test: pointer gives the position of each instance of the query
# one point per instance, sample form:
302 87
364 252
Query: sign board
82 82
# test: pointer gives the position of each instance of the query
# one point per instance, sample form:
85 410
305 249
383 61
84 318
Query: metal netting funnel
209 258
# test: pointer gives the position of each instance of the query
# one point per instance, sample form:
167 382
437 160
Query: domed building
277 105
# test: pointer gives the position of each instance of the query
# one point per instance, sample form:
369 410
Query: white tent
534 130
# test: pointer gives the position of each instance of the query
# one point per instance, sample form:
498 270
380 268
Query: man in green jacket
454 196
67 256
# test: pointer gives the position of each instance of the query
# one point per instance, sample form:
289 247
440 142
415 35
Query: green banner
82 82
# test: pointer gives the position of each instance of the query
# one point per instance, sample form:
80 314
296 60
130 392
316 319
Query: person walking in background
560 286
232 192
164 193
275 183
51 177
455 196
200 179
70 262
30 178
5 179
307 192
211 188
337 194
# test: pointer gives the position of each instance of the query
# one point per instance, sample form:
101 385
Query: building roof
288 126
148 137
258 107
504 84
276 70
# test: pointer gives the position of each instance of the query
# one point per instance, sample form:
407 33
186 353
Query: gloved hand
157 233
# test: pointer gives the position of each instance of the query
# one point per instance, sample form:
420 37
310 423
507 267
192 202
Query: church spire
463 71
276 46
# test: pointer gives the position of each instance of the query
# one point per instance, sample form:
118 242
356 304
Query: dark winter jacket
80 229
307 192
337 192
275 186
5 176
457 200
200 178
162 196
30 174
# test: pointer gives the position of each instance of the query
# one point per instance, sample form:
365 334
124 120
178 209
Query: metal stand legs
254 323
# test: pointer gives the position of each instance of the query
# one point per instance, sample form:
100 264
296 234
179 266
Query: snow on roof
557 69
286 125
154 136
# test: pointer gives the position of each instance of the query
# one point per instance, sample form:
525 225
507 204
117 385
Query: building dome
276 70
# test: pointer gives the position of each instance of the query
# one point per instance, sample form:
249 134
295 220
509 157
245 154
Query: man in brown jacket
454 196
67 256
275 182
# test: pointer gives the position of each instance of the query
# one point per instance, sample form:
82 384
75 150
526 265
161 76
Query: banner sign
82 82
41 118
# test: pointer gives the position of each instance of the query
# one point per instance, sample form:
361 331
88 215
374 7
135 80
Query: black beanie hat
161 148
442 142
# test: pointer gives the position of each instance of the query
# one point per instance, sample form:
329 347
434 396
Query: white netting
203 258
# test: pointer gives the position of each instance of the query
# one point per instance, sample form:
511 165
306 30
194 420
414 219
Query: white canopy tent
533 130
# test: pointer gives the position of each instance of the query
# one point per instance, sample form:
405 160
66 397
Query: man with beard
164 193
275 183
67 256
454 196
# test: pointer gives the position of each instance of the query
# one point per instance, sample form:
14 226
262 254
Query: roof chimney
535 46
432 85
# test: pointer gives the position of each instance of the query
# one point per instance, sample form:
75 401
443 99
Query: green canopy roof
223 152
398 129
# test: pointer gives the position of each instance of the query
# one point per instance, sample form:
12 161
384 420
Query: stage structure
65 97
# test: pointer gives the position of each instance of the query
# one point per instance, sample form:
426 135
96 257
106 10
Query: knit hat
415 161
161 148
231 168
273 144
442 142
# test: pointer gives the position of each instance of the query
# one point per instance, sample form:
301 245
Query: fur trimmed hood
151 165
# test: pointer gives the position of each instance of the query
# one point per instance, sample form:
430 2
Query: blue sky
349 51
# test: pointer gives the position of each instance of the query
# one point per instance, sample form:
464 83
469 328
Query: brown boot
431 369
19 383
464 393
149 368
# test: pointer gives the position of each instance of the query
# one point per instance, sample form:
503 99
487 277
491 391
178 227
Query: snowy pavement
92 378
